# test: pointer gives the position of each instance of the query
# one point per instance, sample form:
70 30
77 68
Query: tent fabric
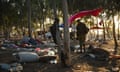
94 12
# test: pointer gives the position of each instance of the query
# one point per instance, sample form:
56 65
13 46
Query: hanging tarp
94 12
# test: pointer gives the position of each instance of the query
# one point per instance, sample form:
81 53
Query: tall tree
29 18
66 33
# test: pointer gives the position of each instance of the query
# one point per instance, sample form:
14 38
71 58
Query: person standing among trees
53 29
82 31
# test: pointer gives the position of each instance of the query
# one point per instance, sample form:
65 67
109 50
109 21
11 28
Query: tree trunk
66 34
97 30
29 17
104 37
114 36
108 30
57 32
6 33
118 27
43 27
113 62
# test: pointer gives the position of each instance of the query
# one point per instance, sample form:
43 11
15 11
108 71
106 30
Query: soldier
53 29
82 31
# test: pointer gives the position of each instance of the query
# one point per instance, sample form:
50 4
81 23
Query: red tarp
94 12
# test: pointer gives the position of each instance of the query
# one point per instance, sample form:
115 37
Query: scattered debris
98 53
26 56
5 67
115 69
14 67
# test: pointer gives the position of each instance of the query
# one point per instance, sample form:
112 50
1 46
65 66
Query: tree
66 34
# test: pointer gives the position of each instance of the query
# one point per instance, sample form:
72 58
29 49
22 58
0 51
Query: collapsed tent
94 12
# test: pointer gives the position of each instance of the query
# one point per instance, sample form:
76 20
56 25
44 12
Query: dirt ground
79 63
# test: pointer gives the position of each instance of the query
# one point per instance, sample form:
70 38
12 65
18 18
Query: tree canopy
14 12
